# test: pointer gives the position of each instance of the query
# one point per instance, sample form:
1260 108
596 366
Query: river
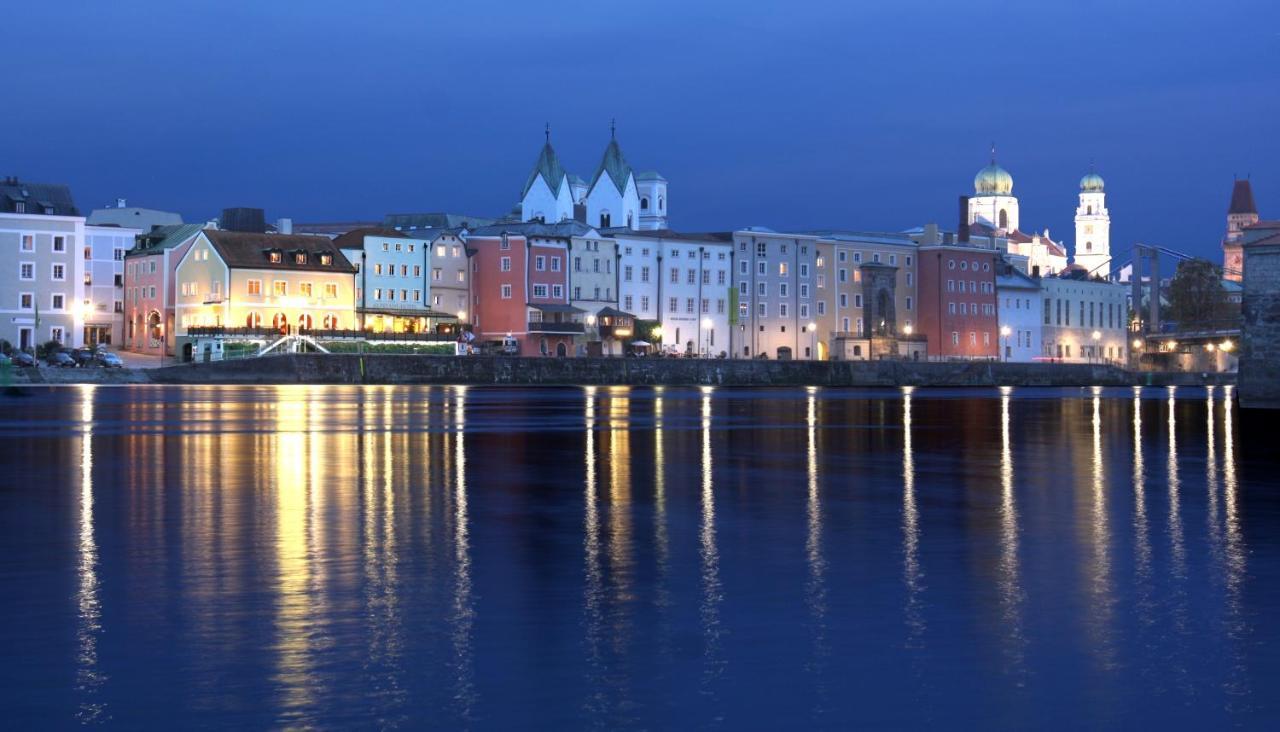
496 558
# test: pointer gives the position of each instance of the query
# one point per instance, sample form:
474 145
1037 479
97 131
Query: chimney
930 234
962 231
1035 271
284 226
120 203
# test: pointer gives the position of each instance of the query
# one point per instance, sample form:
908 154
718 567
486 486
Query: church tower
1241 213
993 203
546 196
1093 228
612 200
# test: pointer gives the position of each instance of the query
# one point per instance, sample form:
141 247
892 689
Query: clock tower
1241 213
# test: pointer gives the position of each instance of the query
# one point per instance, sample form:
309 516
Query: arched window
153 325
304 322
660 203
629 218
1088 210
604 219
253 320
542 345
644 203
330 322
1088 246
1004 219
280 322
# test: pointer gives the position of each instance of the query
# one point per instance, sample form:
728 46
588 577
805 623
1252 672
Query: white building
1084 320
1093 228
614 198
776 295
393 280
132 217
103 299
994 220
682 281
42 277
1019 306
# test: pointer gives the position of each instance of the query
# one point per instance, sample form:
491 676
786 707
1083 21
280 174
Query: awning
642 344
555 308
408 313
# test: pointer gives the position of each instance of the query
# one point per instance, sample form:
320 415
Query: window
908 302
688 305
59 272
59 244
761 249
557 291
782 311
540 291
276 257
505 243
436 274
782 269
782 289
804 269
844 300
28 242
304 289
673 305
299 257
762 289
57 302
644 303
326 259
804 290
675 275
951 264
973 338
506 292
626 273
955 338
692 277
26 301
279 288
875 257
644 274
893 259
254 287
857 300
843 275
627 303
706 305
804 310
842 255
404 270
457 250
720 277
951 308
762 310
417 270
540 263
822 307
742 266
706 276
505 264
857 256
761 268
27 271
330 290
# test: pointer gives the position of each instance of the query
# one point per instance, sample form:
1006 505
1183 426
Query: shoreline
394 369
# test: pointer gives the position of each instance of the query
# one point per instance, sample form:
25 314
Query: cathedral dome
1091 182
993 181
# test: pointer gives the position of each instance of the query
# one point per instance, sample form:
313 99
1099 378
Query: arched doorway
154 331
1004 219
561 350
330 322
253 320
304 322
280 323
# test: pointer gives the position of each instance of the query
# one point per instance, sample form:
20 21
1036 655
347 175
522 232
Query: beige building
845 318
1084 320
285 283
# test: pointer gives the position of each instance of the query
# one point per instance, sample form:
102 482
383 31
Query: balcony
213 298
547 326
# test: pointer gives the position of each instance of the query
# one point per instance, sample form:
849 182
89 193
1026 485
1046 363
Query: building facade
394 278
1093 228
42 288
285 283
776 295
849 288
958 313
150 315
512 298
684 283
104 252
1018 303
1083 320
1242 213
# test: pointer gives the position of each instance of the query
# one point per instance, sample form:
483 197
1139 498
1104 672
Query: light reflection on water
452 557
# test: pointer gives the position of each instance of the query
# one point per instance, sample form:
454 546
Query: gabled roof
246 250
354 239
615 165
411 221
708 236
37 197
563 229
549 167
1242 199
163 237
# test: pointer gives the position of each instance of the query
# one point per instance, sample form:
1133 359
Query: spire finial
613 128
993 152
548 133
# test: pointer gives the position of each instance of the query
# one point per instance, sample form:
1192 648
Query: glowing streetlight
1137 343
1227 346
907 330
462 316
1208 346
1170 345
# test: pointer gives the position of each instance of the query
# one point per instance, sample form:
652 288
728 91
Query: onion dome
993 181
1091 183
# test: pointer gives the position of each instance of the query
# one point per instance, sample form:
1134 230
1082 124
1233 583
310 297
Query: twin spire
614 164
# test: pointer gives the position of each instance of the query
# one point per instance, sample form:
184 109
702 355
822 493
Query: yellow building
285 283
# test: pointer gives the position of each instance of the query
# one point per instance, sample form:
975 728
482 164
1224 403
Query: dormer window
299 257
326 259
19 206
275 256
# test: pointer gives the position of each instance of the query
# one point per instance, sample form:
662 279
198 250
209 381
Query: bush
6 347
49 348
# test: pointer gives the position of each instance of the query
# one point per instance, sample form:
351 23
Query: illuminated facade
1083 320
395 277
148 291
280 282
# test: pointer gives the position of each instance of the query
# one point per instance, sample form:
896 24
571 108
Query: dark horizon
827 115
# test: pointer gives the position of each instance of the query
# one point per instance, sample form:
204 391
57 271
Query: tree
1197 298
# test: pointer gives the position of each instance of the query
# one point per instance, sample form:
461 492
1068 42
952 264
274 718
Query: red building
957 309
520 288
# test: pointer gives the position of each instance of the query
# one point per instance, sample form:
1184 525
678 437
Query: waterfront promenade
507 370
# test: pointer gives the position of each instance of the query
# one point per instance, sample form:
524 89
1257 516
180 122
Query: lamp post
1096 336
706 325
1005 331
813 349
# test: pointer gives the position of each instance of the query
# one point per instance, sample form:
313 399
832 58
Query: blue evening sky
857 114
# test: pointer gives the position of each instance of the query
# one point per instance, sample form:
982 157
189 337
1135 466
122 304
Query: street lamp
907 330
813 349
1227 346
1005 331
706 325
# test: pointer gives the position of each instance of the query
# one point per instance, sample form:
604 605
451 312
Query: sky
868 115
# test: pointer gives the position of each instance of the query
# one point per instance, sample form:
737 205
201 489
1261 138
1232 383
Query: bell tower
1093 228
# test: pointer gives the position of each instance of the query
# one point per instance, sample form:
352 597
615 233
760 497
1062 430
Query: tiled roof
615 165
164 237
36 197
1242 198
534 228
246 250
412 221
549 167
354 239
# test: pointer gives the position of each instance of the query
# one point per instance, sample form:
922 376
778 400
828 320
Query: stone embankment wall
403 369
1260 338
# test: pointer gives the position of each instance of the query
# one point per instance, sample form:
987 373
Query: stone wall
1260 339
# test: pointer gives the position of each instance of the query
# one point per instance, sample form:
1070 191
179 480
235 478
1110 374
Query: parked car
61 359
83 356
5 360
108 360
22 358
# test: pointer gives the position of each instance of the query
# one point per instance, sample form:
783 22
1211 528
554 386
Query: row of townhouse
60 279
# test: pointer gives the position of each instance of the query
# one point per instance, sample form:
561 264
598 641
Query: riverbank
480 370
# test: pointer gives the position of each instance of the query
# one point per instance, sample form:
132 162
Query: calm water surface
636 558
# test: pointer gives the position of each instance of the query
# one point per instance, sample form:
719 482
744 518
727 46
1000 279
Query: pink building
520 288
148 288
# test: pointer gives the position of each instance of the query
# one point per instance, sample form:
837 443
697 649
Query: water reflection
89 677
462 614
713 662
1141 530
594 579
1103 600
815 590
1011 593
912 576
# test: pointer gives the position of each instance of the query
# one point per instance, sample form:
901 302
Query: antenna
548 133
613 128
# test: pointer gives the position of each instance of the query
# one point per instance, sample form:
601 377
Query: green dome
993 180
1091 182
